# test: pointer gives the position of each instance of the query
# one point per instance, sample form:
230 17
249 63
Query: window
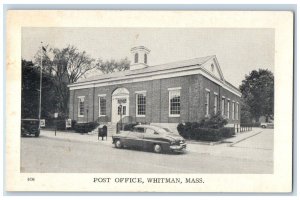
233 110
141 104
139 130
216 104
207 97
228 107
174 102
136 58
149 131
145 58
81 106
212 67
237 111
123 109
223 106
102 105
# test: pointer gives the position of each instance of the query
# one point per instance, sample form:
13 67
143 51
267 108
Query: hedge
59 124
193 131
85 127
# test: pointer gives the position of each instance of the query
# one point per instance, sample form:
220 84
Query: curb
230 145
204 143
76 140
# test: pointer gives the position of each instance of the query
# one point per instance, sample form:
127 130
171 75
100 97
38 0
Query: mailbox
102 132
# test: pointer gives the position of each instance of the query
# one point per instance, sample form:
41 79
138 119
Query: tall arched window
136 58
145 58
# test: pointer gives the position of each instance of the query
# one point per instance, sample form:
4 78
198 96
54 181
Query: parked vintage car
30 127
150 137
267 125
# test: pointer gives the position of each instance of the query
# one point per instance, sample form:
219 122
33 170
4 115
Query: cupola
140 57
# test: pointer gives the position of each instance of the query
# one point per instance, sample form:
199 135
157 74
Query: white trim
174 115
78 106
160 74
136 101
237 111
223 97
215 102
141 92
228 109
99 97
233 110
207 102
175 88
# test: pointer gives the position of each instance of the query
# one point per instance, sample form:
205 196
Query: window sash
237 112
141 105
102 106
228 109
233 110
207 103
81 106
223 106
216 104
174 103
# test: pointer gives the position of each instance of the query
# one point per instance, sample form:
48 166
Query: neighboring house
167 94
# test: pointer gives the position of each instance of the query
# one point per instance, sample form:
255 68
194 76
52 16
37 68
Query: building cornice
149 76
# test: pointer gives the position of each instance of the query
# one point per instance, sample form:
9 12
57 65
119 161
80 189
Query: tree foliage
66 66
60 68
258 93
30 92
113 65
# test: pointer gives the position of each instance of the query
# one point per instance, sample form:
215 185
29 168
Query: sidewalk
192 146
72 136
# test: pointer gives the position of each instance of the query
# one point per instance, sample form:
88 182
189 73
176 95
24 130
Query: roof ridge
184 60
136 71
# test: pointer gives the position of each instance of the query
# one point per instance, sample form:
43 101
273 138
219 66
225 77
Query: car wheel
118 144
157 148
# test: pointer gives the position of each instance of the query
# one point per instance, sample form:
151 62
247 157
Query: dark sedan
30 127
150 137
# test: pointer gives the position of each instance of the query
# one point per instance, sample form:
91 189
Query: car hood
174 137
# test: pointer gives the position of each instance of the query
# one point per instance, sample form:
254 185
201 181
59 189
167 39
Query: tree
258 93
246 116
113 65
30 92
66 66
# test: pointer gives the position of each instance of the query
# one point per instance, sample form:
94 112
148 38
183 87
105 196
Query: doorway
120 104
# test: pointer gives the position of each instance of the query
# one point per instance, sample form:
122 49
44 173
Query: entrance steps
111 129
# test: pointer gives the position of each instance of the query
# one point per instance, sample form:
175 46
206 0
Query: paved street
50 154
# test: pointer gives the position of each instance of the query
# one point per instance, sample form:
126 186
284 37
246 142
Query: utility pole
41 76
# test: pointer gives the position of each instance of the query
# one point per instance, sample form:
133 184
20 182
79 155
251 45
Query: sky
238 51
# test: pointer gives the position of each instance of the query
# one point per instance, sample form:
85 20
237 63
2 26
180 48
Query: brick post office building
167 94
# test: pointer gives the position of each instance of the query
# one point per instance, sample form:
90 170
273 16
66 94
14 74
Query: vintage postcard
149 101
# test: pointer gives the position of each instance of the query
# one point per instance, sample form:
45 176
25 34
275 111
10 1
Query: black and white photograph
201 99
146 108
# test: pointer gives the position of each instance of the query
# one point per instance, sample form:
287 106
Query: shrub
207 134
60 124
85 127
193 131
129 127
227 132
215 121
256 124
